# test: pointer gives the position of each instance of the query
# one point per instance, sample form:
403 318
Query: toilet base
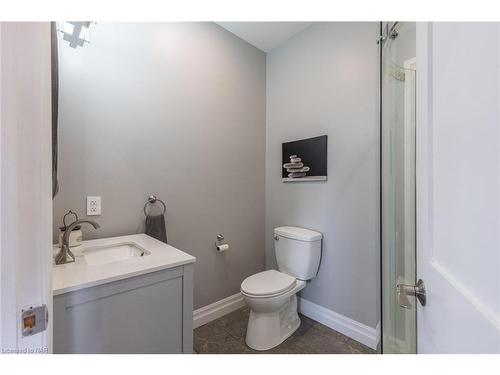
267 330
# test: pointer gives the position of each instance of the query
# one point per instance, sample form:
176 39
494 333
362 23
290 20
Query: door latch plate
34 320
403 291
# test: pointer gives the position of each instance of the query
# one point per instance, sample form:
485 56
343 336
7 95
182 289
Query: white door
458 187
26 186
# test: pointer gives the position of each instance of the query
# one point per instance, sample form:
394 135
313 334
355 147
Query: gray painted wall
325 81
176 110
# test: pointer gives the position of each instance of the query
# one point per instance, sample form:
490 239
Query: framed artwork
304 160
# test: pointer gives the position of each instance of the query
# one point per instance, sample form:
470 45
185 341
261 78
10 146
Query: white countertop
79 275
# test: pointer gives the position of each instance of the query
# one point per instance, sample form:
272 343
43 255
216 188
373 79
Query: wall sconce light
76 33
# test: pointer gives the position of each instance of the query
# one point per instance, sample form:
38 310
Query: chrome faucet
65 255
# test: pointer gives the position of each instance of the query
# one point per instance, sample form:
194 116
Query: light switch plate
93 206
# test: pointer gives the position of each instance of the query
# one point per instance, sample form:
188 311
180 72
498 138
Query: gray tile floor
226 335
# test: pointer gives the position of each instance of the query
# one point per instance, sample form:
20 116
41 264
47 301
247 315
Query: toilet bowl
271 295
273 310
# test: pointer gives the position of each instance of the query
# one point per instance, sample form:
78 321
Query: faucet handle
69 213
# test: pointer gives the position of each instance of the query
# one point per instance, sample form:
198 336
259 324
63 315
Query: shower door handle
404 290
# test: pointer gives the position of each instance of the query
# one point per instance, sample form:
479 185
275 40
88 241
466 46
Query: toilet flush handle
276 237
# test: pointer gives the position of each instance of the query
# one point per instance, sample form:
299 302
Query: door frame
26 181
409 241
423 148
409 158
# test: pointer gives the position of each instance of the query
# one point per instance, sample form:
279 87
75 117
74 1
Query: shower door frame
408 64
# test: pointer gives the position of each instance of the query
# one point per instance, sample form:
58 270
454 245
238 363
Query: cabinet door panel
144 318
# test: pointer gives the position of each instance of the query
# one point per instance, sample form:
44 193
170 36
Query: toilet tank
298 251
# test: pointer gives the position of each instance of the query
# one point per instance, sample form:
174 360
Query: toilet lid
267 283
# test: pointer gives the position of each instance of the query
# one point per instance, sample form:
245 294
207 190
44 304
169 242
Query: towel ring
152 200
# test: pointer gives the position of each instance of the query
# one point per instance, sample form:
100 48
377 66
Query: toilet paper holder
219 245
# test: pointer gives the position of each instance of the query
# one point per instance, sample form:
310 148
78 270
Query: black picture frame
313 154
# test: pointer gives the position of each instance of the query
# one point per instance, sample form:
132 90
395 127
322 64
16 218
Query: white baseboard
355 330
217 309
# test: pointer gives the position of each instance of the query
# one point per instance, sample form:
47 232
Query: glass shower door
398 184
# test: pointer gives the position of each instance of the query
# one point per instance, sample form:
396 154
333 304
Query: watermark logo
36 350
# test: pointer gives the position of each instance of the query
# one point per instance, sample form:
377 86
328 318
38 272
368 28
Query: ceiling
265 35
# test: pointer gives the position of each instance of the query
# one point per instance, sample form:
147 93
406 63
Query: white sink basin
113 253
106 260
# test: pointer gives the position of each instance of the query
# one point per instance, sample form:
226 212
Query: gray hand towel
155 227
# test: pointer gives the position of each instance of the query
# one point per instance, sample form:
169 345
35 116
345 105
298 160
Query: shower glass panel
398 184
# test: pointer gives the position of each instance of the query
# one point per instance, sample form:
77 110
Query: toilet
271 294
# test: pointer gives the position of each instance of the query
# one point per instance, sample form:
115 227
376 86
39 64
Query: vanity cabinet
150 313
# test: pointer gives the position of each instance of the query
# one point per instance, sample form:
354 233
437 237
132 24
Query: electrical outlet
93 206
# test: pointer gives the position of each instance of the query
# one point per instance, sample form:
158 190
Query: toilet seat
267 284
